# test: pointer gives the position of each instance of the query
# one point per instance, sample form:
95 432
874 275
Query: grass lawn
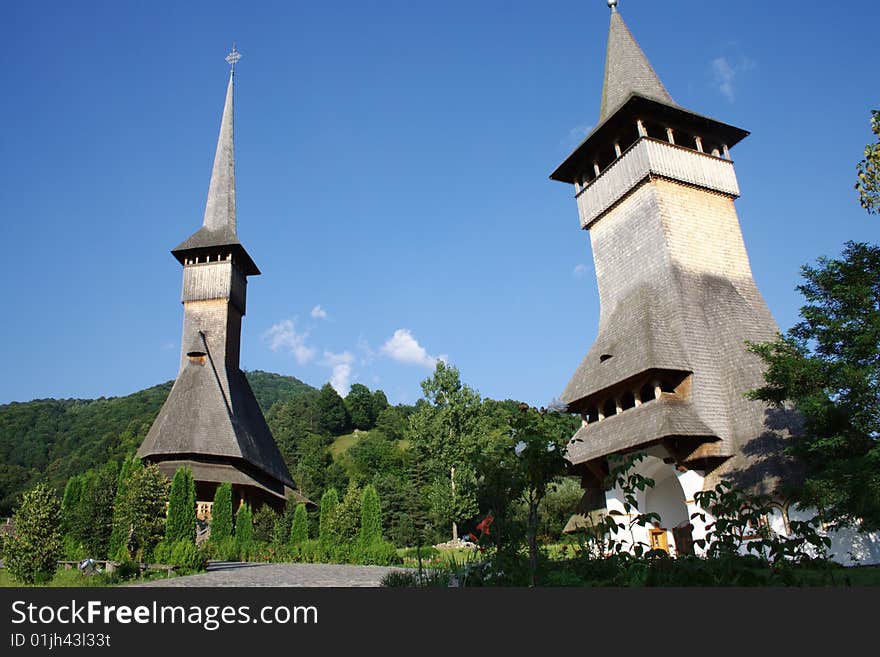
344 443
73 577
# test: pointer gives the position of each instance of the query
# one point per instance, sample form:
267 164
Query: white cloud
340 364
284 336
579 270
318 312
404 348
725 74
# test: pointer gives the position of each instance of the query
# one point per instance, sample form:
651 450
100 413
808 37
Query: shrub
402 578
187 556
180 525
299 529
32 552
377 553
224 549
221 513
264 523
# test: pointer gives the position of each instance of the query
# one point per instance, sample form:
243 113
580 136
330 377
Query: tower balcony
646 158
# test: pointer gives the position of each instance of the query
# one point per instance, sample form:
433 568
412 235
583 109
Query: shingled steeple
211 421
627 70
220 208
668 370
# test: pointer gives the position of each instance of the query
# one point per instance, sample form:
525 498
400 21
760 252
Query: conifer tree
299 530
329 501
70 502
120 530
180 525
371 516
221 513
244 527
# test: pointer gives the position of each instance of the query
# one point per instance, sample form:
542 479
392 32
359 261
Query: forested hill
56 438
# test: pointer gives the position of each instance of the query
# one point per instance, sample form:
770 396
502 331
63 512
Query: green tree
180 524
329 502
264 523
119 533
371 517
299 529
450 434
93 514
70 502
141 509
221 513
828 366
333 417
31 554
868 181
244 527
346 517
392 423
361 407
540 440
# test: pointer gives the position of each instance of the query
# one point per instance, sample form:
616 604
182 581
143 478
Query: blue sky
392 173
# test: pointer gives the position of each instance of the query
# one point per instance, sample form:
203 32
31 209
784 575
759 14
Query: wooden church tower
655 188
211 421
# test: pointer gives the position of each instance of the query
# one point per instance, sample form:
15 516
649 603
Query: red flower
483 527
472 537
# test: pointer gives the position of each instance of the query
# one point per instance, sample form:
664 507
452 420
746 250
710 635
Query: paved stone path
278 574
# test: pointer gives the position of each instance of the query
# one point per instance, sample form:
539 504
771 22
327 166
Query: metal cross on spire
233 57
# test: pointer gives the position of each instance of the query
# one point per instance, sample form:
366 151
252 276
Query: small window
627 401
647 393
197 357
605 357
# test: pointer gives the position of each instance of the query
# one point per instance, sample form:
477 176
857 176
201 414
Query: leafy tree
453 499
299 529
361 407
449 432
244 527
312 463
371 517
333 417
541 438
141 509
868 182
374 454
221 513
180 524
329 502
828 366
31 554
392 423
380 402
346 517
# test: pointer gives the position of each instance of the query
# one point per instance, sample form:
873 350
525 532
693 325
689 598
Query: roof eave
638 104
